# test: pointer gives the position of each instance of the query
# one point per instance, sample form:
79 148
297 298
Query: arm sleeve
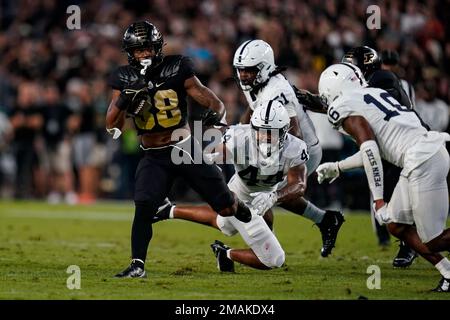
352 162
373 167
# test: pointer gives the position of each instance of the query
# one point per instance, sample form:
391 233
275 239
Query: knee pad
275 260
225 226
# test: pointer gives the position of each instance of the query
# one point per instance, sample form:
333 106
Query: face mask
268 158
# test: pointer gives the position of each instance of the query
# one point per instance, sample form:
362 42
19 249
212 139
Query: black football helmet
365 58
143 34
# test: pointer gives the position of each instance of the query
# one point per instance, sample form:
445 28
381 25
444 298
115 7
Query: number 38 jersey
252 173
167 95
399 132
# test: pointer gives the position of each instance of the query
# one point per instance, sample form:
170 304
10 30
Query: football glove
311 101
327 170
134 98
211 118
263 201
382 215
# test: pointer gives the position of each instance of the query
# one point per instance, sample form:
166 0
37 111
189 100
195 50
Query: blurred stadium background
53 92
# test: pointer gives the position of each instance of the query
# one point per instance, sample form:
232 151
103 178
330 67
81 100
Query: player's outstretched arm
296 184
360 130
332 170
295 189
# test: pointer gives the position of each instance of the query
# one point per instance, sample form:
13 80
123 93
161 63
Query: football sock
229 254
443 267
141 231
313 213
171 212
139 260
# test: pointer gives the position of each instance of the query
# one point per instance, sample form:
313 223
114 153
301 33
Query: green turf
38 242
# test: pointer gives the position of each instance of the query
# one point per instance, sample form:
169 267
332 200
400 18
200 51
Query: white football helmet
254 53
339 78
270 125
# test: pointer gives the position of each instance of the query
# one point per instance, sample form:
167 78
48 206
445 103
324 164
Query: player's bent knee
225 226
396 229
144 210
274 261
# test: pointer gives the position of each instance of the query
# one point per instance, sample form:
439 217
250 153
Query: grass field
38 242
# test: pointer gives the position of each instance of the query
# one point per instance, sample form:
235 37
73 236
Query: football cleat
163 212
329 228
443 286
405 256
135 270
224 264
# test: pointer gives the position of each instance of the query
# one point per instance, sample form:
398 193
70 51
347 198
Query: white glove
382 215
327 170
115 132
263 201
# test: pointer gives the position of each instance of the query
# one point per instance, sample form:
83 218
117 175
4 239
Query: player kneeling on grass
383 128
270 169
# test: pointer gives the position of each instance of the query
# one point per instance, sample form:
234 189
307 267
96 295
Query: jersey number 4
252 179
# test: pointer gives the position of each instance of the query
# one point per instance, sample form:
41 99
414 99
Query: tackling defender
370 64
261 80
384 128
270 168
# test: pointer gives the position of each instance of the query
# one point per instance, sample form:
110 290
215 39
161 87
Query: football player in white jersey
383 128
261 81
270 168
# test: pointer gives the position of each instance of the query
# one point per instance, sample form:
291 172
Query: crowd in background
54 96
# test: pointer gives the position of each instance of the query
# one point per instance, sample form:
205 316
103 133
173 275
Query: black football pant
155 176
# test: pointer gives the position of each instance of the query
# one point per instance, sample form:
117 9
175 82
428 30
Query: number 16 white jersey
399 132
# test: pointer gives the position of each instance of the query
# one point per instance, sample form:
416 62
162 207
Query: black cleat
443 286
329 227
135 270
163 212
405 256
224 264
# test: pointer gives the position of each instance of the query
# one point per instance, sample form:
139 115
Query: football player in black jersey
153 89
368 60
